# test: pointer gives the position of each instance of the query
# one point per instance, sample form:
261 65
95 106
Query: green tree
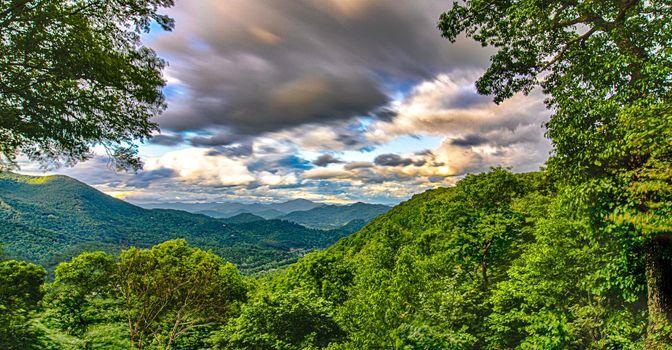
20 293
486 199
284 321
605 66
78 284
173 289
73 74
164 296
552 296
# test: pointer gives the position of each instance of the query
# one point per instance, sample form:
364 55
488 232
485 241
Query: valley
48 220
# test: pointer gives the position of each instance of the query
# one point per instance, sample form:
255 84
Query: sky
333 100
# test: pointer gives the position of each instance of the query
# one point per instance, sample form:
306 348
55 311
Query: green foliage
605 67
552 297
170 296
283 321
494 263
72 293
20 294
172 289
74 75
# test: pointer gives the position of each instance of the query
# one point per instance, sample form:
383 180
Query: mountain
49 219
295 205
333 216
243 218
229 209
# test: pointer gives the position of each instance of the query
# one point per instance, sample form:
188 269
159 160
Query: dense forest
497 262
576 256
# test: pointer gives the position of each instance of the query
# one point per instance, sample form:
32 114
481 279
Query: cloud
268 178
219 139
346 136
366 89
396 160
469 140
254 66
327 173
358 165
477 134
198 166
326 159
166 140
430 109
145 178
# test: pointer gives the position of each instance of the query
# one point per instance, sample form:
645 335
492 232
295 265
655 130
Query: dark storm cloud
256 66
370 176
469 140
166 140
145 178
326 159
244 149
351 138
396 160
467 97
426 152
219 139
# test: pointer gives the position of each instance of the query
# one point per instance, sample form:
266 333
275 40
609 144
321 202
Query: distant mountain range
49 219
328 217
300 211
229 209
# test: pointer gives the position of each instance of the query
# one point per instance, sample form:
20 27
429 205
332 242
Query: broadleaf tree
606 68
163 296
74 75
20 294
173 289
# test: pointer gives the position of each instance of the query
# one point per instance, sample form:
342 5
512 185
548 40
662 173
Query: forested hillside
494 263
49 219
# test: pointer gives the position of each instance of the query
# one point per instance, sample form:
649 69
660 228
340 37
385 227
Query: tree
77 283
173 289
20 293
161 295
486 199
73 74
288 320
605 67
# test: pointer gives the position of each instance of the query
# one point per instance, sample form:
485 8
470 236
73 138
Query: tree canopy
605 67
74 74
20 294
161 295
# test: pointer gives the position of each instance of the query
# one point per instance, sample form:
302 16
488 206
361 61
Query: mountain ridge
301 211
49 219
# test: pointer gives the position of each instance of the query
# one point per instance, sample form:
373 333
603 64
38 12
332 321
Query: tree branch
562 52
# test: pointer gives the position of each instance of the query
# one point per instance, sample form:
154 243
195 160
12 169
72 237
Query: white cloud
271 179
198 166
